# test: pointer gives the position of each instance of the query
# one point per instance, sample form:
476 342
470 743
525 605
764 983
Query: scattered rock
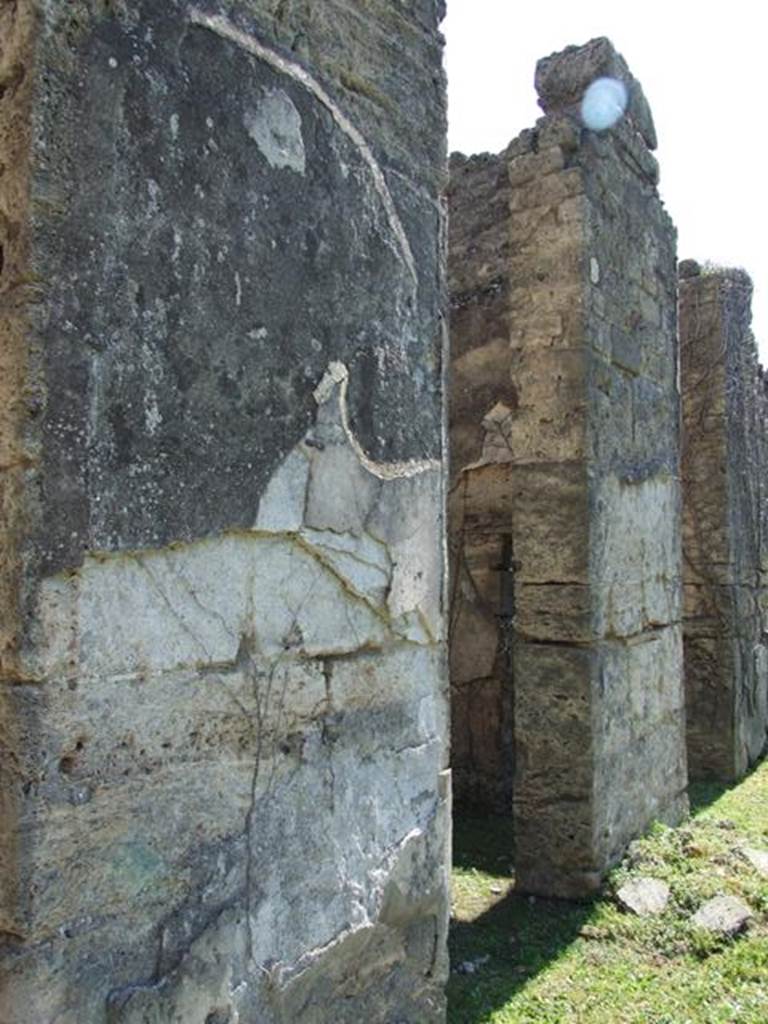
758 859
471 966
726 824
725 915
644 896
589 931
496 890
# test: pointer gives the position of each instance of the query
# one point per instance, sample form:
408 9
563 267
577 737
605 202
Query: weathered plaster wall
564 513
224 752
724 502
480 511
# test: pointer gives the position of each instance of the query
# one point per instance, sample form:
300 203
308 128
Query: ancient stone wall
565 509
725 536
482 725
224 792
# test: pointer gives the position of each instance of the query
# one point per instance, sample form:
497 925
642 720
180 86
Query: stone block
562 79
550 525
549 425
530 166
560 612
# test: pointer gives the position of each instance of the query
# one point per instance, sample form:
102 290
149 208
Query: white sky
703 68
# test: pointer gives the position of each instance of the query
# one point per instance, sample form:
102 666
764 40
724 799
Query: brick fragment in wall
222 697
564 514
724 524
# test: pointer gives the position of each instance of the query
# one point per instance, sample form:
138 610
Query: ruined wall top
562 79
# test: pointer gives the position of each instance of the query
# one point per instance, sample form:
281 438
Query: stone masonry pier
725 537
566 646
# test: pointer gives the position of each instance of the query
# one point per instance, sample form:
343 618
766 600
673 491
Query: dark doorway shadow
499 939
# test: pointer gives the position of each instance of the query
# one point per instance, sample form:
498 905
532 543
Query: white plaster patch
498 428
407 518
341 491
152 415
362 562
635 560
281 509
192 605
336 382
275 127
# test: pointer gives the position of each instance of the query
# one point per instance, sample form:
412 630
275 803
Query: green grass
551 962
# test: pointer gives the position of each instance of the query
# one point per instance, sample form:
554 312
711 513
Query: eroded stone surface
644 896
222 704
758 859
725 915
724 463
564 505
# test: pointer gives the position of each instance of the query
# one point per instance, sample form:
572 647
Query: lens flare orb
605 101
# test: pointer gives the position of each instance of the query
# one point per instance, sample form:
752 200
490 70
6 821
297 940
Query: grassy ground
549 962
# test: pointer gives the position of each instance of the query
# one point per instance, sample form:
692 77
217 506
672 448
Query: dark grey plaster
197 291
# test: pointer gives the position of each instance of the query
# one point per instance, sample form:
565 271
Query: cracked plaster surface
293 670
343 556
232 741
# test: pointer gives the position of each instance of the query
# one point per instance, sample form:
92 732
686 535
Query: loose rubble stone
644 896
472 966
725 915
758 859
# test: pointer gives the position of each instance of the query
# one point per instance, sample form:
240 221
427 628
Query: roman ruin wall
224 782
725 536
225 791
564 506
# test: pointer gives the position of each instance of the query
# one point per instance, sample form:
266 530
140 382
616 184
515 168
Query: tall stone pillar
725 460
224 782
565 501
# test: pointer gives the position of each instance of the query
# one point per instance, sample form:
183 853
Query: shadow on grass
484 843
702 794
509 941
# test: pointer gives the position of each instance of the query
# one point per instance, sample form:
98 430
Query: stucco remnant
225 786
567 699
725 531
